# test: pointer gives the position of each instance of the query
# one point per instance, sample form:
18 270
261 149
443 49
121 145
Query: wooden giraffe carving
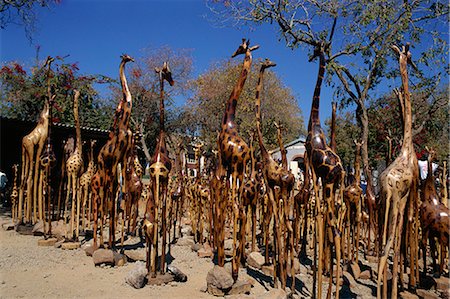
326 165
434 220
104 182
279 184
251 193
133 188
352 198
333 127
85 184
73 168
159 172
177 194
32 147
15 193
234 152
399 184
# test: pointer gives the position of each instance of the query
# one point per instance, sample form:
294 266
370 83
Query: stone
274 294
58 244
195 247
228 244
442 283
89 249
219 277
138 276
178 275
160 279
47 242
8 225
267 269
215 291
25 229
296 267
39 228
103 256
372 259
349 280
186 230
119 259
426 294
205 253
240 287
185 242
407 295
70 245
366 274
255 260
354 270
240 296
58 228
136 254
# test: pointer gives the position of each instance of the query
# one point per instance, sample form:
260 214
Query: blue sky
95 33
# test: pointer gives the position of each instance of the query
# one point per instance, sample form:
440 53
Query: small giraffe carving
352 197
104 182
399 187
15 193
434 220
73 168
85 184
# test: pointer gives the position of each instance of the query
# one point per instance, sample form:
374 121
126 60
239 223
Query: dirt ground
31 271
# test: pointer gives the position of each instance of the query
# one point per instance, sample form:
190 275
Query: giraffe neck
125 105
429 178
161 103
357 165
407 146
284 162
45 115
77 122
314 120
253 160
230 111
333 128
264 152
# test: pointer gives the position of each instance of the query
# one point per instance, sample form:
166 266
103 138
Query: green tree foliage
22 93
204 111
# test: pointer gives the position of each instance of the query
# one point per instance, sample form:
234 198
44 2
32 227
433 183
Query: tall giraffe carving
326 165
234 152
399 187
104 182
32 147
159 172
279 184
73 167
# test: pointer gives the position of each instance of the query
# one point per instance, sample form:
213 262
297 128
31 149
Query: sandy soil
31 271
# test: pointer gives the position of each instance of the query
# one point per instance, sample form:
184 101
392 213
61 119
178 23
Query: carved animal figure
15 193
434 220
159 172
73 168
324 164
279 183
85 184
399 184
104 182
32 147
234 152
352 197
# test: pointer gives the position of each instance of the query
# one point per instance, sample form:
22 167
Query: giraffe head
267 64
244 47
165 73
431 153
126 58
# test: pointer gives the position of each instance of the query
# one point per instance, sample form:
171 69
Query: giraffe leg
66 205
74 203
78 199
155 233
235 216
397 244
36 180
164 227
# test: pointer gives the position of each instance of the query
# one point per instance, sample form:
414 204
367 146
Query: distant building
295 151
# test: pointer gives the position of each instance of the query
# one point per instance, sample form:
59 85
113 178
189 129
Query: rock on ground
137 277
